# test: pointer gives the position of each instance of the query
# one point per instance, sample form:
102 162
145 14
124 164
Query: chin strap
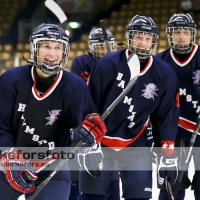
29 61
32 62
183 51
121 44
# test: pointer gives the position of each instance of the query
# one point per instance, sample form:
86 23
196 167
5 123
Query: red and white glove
19 173
85 76
92 130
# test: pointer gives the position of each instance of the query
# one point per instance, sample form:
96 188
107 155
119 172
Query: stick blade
55 8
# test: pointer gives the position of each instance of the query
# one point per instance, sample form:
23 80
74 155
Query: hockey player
154 98
183 57
83 66
39 104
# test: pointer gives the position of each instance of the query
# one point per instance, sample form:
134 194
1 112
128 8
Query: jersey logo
196 77
53 116
150 91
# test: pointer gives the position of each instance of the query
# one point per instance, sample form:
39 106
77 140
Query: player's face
50 52
181 37
101 50
142 41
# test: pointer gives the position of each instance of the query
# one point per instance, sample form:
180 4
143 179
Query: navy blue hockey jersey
83 66
188 73
154 96
28 119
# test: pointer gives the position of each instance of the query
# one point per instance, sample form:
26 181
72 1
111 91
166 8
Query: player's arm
19 173
165 125
92 129
165 118
7 106
17 170
101 80
77 68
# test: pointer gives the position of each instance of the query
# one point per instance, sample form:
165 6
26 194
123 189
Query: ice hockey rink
189 193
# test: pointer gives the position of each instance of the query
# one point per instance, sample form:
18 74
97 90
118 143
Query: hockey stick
135 69
58 12
134 65
105 35
192 141
169 189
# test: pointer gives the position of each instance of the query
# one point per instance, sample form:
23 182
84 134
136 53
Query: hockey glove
85 76
92 162
92 130
167 166
19 173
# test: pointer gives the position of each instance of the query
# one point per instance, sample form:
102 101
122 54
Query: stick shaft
119 98
105 35
58 167
183 168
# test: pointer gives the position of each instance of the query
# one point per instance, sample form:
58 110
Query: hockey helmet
49 33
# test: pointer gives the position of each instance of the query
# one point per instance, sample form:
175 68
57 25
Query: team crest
196 77
53 116
150 91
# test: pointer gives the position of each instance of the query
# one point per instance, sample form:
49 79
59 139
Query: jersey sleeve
101 80
79 106
77 68
7 104
165 117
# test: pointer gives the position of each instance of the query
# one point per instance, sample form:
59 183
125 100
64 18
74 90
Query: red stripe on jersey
177 103
188 125
118 144
194 49
147 65
35 90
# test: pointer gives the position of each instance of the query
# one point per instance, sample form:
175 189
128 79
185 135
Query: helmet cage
142 54
44 67
97 51
188 45
96 42
179 22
